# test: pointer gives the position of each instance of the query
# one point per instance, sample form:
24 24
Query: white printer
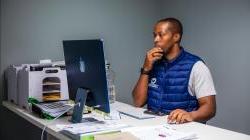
43 82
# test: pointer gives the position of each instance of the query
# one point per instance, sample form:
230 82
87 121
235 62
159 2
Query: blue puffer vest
168 84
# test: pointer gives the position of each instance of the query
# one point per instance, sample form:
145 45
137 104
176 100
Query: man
173 81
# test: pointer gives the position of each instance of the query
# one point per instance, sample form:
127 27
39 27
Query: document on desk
159 132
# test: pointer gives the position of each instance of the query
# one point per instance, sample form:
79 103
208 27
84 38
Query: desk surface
204 132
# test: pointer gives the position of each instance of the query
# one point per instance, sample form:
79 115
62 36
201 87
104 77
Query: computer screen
85 67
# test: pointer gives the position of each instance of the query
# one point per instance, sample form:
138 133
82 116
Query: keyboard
54 108
54 105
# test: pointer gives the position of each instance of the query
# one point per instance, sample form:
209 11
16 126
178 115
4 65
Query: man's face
163 37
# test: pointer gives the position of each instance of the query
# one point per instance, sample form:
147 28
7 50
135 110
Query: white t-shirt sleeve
201 83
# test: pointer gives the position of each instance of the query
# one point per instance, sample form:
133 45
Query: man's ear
177 37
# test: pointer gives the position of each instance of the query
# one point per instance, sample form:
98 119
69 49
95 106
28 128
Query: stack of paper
76 131
116 136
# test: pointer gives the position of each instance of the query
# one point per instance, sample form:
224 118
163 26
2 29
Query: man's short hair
177 25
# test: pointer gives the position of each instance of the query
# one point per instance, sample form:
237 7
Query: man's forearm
206 110
140 91
141 88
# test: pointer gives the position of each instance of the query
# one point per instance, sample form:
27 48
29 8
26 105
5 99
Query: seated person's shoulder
201 80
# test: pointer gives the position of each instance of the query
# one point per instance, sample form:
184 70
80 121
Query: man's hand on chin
179 116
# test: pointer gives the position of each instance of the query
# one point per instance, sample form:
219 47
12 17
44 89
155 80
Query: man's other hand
179 116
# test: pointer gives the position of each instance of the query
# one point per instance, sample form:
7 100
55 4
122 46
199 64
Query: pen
162 135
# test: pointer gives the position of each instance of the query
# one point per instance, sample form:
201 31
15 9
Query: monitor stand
81 96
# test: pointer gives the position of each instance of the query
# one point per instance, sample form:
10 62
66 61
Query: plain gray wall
34 29
219 31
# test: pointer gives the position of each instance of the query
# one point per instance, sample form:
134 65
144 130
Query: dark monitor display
85 67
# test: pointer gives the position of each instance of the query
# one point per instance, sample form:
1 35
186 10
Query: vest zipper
164 83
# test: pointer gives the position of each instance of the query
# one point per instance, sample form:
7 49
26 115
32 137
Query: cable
45 126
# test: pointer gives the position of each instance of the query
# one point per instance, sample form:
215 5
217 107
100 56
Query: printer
43 82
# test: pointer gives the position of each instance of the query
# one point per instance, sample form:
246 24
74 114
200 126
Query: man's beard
166 50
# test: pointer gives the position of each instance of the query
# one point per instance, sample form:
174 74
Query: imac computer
86 75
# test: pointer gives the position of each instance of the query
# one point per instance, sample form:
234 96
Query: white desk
204 132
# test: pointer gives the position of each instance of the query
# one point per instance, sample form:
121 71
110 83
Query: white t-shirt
201 83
